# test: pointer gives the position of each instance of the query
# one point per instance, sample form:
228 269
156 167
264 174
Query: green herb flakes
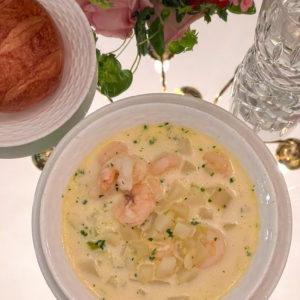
152 141
231 180
152 256
100 196
84 233
194 222
96 245
170 233
84 202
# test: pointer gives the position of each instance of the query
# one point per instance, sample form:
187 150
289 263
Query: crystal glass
266 91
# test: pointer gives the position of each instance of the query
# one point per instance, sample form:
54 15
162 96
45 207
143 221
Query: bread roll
31 55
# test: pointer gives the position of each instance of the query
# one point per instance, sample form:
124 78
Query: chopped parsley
150 239
194 222
111 164
203 166
200 149
145 127
212 174
214 147
215 239
209 200
96 245
117 187
162 180
202 189
100 196
135 274
84 233
231 180
84 202
169 232
152 256
219 189
135 141
152 141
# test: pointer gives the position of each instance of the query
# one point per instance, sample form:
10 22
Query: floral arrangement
158 26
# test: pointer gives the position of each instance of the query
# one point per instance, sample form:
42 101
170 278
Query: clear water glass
266 90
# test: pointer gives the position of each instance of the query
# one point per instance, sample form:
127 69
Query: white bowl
43 125
275 211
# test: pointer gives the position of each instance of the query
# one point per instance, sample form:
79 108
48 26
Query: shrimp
123 170
219 162
111 150
214 242
118 170
164 163
139 169
156 188
136 207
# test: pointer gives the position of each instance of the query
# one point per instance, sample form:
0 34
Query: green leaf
186 43
237 10
207 18
156 36
103 4
165 13
111 78
141 31
222 13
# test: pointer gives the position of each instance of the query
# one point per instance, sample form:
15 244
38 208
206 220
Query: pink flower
174 31
246 4
117 21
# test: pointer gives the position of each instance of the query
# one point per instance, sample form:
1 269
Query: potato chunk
166 267
205 213
182 231
221 197
145 273
187 275
162 222
181 210
188 167
185 147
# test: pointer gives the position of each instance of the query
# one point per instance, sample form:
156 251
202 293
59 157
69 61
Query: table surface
221 48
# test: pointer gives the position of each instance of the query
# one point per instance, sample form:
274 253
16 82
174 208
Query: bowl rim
284 235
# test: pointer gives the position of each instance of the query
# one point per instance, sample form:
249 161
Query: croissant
31 55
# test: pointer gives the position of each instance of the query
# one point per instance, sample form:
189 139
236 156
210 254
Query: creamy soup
160 212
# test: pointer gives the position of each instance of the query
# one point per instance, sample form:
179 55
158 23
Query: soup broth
160 212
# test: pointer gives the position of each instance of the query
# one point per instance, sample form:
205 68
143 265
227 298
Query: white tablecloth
212 63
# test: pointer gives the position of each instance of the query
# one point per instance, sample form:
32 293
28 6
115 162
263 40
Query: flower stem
125 46
137 64
135 60
163 76
123 43
107 97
